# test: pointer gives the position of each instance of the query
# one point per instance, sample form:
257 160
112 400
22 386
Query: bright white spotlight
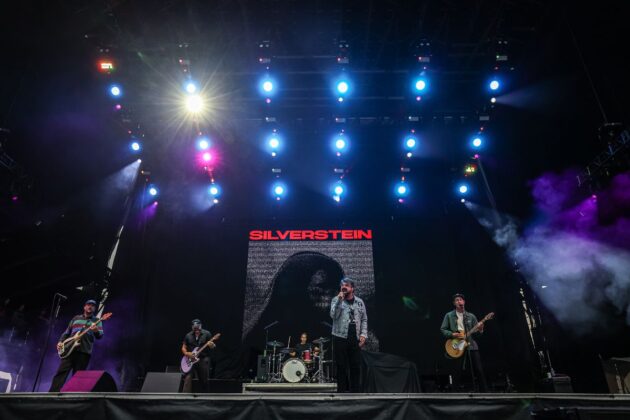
191 87
194 104
401 190
420 85
493 100
274 143
494 84
267 86
135 146
340 144
278 190
477 142
115 90
203 143
462 188
153 191
411 143
342 87
214 191
206 157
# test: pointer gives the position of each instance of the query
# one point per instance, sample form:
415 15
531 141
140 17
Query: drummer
302 347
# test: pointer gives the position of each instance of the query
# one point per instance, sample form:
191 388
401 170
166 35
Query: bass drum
293 370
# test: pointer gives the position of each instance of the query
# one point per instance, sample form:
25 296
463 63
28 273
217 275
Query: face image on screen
294 281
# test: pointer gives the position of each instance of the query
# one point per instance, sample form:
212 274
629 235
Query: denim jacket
340 313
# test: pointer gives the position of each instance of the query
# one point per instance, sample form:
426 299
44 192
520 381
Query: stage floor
96 406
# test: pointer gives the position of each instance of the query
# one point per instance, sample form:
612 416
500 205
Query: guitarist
79 358
197 338
455 325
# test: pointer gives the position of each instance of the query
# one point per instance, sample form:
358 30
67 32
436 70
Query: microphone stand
54 315
468 355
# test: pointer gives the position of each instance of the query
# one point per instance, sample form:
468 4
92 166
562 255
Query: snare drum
293 370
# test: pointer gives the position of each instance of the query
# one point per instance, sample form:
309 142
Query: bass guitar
69 344
188 362
455 347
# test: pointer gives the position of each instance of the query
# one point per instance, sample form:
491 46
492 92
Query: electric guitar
69 344
455 347
188 362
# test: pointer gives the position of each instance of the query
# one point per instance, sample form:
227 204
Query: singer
349 330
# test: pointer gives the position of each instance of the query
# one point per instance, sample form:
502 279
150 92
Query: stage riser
299 406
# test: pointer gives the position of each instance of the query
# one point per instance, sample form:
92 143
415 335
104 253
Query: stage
311 406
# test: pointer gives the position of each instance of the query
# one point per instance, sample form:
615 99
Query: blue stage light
477 142
153 191
340 144
191 87
494 84
203 143
274 142
343 87
214 190
420 84
115 90
463 188
278 190
401 189
338 190
267 87
135 146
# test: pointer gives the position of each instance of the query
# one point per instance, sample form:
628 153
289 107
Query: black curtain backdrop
175 269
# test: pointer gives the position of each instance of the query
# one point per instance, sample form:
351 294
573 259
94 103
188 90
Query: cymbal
321 340
287 350
275 343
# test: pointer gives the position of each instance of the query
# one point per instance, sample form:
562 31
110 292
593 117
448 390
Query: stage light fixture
493 100
215 192
115 90
267 87
206 157
340 144
401 189
338 190
278 190
494 84
274 143
194 104
203 143
105 66
463 188
342 87
191 87
135 146
477 142
153 191
420 85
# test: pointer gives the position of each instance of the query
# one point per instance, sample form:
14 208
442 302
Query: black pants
480 379
348 360
76 361
202 367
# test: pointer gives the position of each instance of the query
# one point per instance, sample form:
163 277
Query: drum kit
309 366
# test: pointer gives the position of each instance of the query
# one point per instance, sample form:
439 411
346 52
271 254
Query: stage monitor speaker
617 372
559 384
90 381
159 382
261 371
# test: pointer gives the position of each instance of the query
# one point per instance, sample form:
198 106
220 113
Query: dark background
186 263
